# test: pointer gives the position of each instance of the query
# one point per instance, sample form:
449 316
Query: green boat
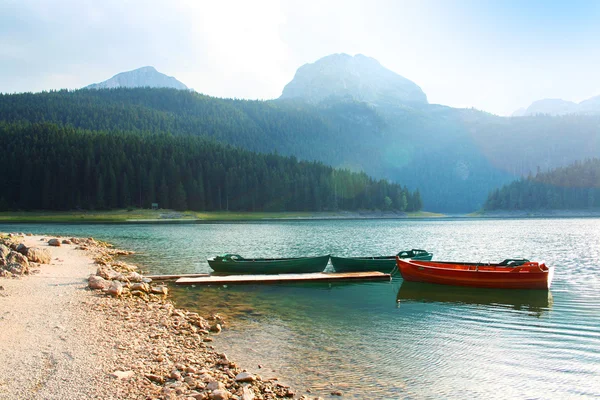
236 264
383 263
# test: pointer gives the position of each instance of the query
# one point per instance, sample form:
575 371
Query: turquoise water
391 339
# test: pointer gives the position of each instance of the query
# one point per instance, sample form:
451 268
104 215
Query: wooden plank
174 277
285 278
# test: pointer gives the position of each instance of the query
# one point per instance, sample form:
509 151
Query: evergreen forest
576 186
46 166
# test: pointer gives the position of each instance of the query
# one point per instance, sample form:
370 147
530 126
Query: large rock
97 282
21 248
115 289
142 287
215 385
245 377
41 256
110 274
54 242
16 269
4 251
17 258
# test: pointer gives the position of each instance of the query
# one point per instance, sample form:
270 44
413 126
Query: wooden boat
383 264
236 264
509 274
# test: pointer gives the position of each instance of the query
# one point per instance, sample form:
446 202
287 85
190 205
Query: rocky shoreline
151 348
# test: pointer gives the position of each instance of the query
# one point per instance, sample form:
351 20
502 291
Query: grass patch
139 215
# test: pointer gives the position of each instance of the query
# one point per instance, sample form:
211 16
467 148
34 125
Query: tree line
46 166
576 186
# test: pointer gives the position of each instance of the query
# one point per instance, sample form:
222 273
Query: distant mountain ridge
560 107
360 78
141 77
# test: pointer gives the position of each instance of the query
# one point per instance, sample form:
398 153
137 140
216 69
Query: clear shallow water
392 339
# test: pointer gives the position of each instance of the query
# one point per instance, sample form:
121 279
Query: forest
46 166
574 187
453 156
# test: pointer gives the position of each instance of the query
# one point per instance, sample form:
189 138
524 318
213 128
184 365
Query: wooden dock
285 278
174 277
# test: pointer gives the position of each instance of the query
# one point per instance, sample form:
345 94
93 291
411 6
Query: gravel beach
61 340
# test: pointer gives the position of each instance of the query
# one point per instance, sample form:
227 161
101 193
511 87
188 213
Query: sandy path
48 341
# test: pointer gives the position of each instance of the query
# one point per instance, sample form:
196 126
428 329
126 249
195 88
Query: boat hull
270 265
530 275
383 264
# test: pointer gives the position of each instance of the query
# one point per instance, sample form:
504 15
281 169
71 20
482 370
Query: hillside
52 167
141 77
561 107
453 156
574 187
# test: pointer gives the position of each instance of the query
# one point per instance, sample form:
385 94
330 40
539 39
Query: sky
495 56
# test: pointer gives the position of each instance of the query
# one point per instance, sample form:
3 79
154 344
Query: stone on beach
17 258
41 256
115 289
4 251
16 269
54 242
245 377
142 287
98 282
247 393
220 394
21 248
123 374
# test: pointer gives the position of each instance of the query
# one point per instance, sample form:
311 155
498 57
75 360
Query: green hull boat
384 264
235 264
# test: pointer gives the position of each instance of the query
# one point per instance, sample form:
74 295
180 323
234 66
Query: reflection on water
357 338
534 301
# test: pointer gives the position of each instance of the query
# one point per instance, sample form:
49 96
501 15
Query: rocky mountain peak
142 77
358 77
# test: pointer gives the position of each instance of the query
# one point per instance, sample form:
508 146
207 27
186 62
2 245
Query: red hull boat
509 274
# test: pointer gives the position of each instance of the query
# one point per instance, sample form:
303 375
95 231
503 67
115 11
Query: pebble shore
149 349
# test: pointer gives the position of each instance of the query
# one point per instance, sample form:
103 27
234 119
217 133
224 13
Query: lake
393 339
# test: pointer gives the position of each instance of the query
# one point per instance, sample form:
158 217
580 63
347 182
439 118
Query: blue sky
496 56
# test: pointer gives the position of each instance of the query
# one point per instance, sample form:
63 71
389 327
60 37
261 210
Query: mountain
141 77
359 78
561 107
454 157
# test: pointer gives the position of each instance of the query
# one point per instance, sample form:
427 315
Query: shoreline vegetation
193 217
170 216
79 323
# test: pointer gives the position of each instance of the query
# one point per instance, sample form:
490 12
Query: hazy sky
492 55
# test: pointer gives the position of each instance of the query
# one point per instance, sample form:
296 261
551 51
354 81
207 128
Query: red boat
509 274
